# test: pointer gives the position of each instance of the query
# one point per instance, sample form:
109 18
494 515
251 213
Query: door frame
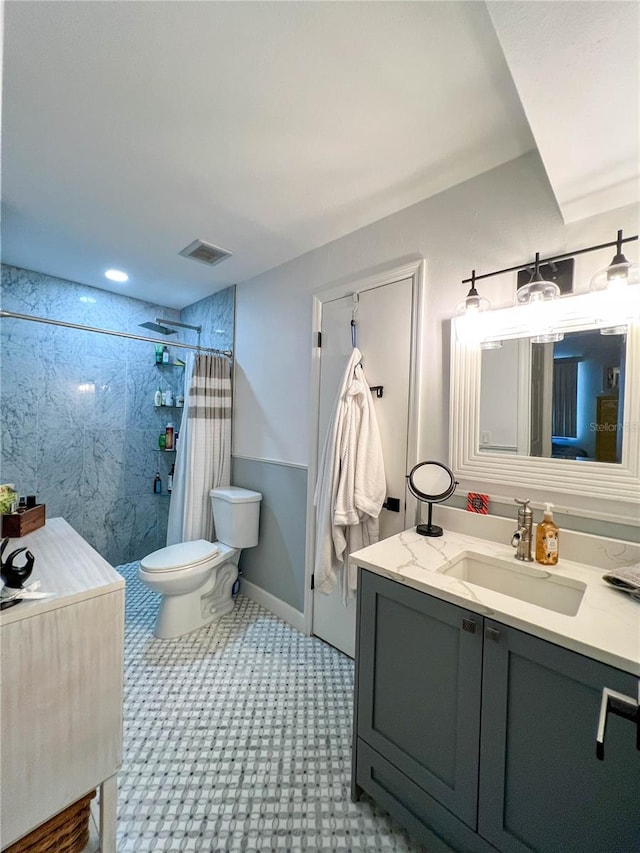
415 269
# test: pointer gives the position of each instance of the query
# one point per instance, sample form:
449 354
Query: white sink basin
520 580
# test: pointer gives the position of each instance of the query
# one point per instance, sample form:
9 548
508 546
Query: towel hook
355 297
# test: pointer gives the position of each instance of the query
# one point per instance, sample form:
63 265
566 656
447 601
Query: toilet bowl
196 579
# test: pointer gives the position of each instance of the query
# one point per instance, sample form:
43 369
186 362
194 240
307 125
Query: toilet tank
236 512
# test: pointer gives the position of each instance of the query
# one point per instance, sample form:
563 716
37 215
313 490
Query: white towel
351 482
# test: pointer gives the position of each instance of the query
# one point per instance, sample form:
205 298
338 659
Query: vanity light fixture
610 287
538 313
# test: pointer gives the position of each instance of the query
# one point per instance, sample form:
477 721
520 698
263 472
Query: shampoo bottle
157 398
169 436
157 484
547 539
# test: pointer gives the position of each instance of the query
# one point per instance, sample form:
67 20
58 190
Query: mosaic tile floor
239 738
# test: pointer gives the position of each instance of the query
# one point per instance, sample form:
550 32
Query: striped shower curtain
203 459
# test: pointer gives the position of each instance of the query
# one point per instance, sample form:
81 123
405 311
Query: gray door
541 786
419 675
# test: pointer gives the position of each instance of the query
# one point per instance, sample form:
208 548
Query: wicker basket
67 832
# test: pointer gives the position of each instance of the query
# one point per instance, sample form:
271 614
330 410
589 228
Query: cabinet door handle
622 706
492 634
469 625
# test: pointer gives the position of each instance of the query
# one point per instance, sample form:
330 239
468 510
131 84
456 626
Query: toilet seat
184 555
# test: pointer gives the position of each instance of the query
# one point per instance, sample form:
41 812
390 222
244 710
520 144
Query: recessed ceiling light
117 275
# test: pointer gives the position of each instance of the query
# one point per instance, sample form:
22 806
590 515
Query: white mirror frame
596 481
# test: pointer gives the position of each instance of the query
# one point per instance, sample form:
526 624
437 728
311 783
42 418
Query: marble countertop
66 565
606 626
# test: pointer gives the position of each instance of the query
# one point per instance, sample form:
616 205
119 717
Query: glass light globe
616 295
469 318
535 298
549 337
537 290
619 271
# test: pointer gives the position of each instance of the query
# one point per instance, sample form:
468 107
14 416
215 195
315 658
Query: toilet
196 579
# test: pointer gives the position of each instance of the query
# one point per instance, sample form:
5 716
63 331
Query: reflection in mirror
563 400
430 480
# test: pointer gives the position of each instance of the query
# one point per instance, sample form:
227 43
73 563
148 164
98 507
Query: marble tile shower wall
216 315
78 424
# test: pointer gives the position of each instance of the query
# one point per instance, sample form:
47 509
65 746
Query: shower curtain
203 458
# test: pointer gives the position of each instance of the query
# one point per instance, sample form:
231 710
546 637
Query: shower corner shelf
168 364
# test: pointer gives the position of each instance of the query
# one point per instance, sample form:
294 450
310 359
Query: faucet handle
524 510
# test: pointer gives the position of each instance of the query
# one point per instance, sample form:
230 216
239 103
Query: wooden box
26 521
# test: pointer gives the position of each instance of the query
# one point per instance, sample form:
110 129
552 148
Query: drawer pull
469 625
622 706
492 634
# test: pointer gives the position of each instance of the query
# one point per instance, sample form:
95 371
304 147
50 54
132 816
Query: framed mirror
561 417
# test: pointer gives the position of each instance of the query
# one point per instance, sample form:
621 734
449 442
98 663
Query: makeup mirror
432 483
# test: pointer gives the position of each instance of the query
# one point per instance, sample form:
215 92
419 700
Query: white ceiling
268 128
577 69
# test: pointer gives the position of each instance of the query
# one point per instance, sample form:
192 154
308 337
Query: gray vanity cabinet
479 737
541 786
419 674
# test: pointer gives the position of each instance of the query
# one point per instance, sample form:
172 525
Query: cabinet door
541 786
419 677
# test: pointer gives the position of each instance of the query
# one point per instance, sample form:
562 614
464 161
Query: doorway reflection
563 400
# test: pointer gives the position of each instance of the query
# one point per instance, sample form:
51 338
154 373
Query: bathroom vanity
62 686
476 712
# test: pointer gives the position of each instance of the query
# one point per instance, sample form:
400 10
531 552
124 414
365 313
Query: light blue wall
276 564
78 424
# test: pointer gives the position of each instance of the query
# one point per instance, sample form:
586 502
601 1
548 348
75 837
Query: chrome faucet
522 539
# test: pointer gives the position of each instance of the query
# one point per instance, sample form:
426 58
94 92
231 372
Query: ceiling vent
206 253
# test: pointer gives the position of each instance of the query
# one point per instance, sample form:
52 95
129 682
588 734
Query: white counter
606 626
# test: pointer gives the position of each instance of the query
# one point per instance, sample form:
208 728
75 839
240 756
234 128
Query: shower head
156 327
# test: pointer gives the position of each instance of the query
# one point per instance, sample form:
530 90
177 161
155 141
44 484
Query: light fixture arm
536 271
619 257
472 289
617 243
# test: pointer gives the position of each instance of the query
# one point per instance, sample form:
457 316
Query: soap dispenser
547 539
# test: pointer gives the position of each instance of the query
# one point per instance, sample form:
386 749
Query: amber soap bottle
547 534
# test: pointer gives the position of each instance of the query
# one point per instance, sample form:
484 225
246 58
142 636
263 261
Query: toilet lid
180 556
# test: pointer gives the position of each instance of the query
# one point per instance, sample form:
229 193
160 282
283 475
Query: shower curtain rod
13 316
